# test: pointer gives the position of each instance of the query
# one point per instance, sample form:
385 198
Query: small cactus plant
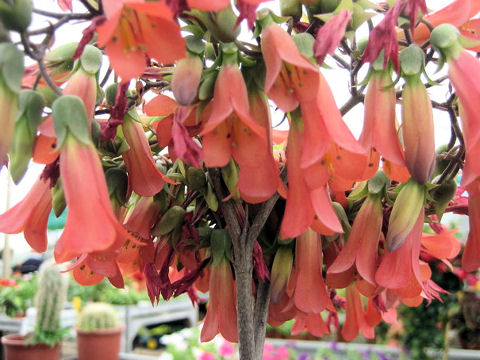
49 302
97 316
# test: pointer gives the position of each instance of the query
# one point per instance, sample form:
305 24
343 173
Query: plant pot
99 344
15 349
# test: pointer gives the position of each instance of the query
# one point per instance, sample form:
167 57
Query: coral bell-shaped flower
464 70
135 30
401 265
355 319
30 216
84 185
291 78
361 248
310 292
232 130
144 176
221 312
417 117
379 131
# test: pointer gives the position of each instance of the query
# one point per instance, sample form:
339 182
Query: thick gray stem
245 319
260 317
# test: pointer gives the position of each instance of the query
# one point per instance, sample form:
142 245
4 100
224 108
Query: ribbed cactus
97 316
49 302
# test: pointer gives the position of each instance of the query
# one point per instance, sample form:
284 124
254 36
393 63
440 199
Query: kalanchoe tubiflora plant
169 159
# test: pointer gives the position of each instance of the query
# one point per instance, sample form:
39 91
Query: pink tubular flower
355 319
30 216
86 195
330 35
361 248
232 131
221 313
144 176
291 78
310 292
135 30
379 130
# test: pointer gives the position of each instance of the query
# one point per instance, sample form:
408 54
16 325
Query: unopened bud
170 221
186 78
280 274
196 179
31 106
291 8
406 209
16 14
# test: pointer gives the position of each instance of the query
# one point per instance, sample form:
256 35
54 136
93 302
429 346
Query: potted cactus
45 342
98 332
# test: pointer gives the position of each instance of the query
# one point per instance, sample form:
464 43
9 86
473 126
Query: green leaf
91 59
195 45
360 16
304 42
366 4
344 4
11 66
70 116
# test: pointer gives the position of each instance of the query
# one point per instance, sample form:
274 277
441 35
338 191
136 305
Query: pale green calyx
444 36
412 60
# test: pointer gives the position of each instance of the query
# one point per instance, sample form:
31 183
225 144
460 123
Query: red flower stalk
330 35
232 130
144 176
291 79
30 216
310 292
384 37
379 131
221 313
362 245
137 30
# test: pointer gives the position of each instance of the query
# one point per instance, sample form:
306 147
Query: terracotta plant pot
99 344
15 349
